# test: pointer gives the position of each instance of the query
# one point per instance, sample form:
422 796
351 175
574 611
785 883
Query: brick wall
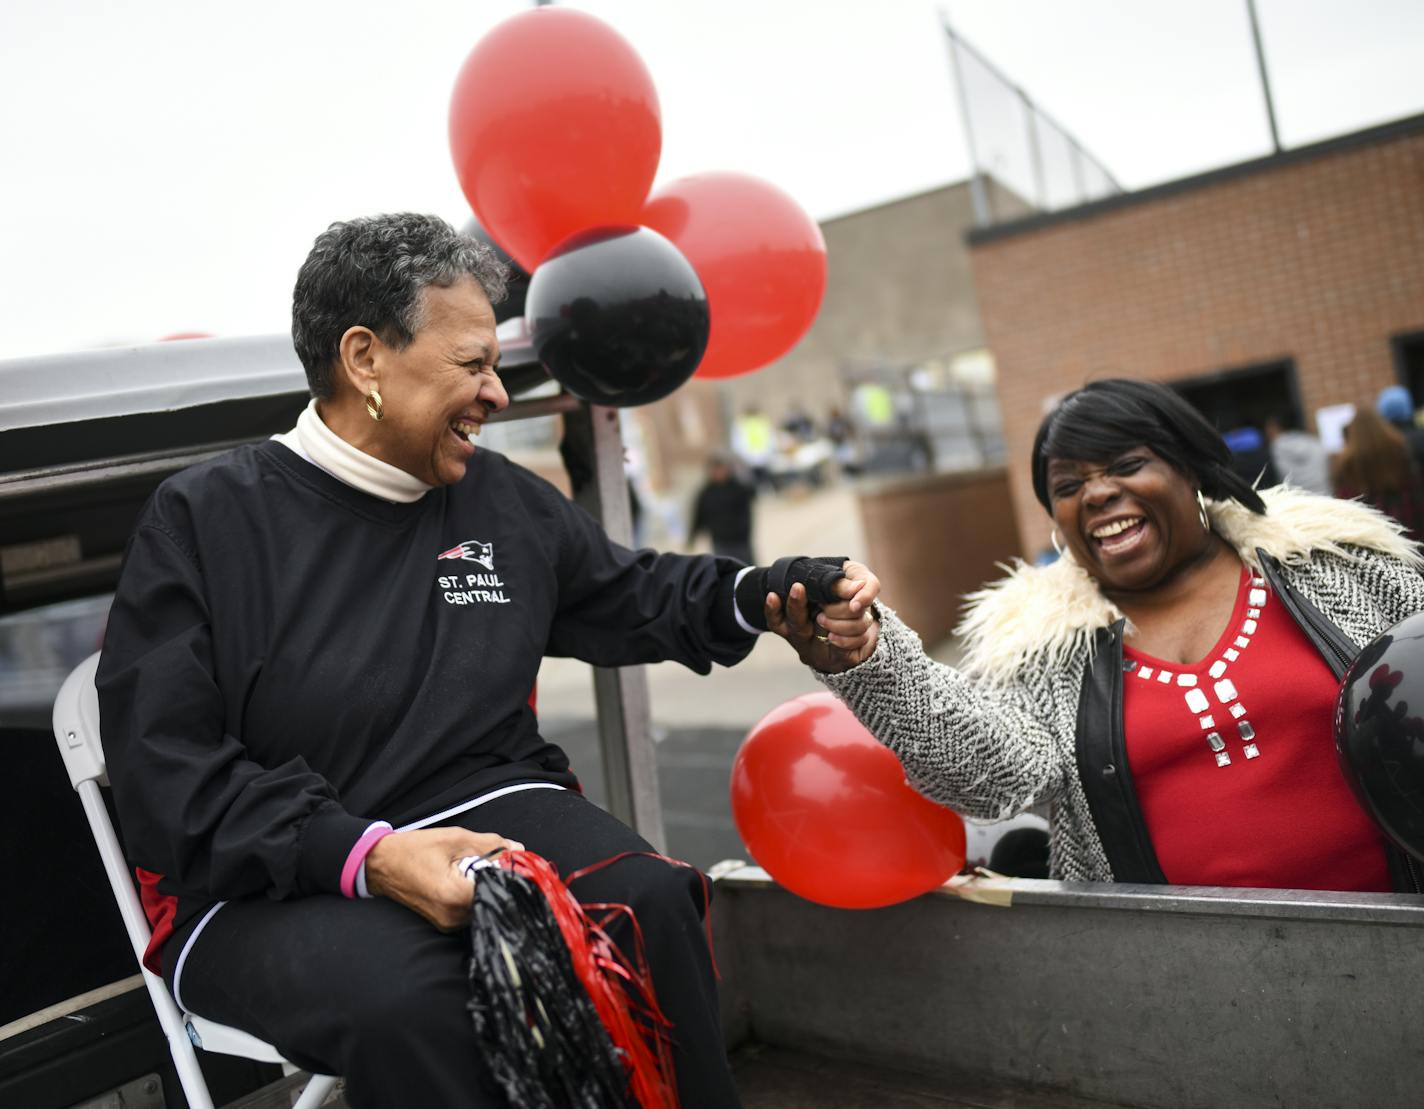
1316 255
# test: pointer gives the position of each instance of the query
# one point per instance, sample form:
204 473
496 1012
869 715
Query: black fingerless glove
818 575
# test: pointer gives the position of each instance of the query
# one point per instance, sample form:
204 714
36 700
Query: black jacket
289 659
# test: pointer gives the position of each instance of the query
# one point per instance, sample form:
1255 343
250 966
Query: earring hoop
1201 512
375 407
1057 544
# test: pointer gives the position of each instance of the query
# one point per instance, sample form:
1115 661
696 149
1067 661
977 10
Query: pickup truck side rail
1188 997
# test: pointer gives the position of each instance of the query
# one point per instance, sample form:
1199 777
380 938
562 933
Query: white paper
1330 423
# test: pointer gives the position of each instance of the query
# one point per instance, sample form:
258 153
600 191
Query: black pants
370 991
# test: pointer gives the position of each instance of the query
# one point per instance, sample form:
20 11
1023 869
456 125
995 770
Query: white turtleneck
319 445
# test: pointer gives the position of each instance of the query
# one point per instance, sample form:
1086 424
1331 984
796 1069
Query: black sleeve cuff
326 841
724 609
818 575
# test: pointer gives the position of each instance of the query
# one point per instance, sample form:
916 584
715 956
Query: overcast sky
167 164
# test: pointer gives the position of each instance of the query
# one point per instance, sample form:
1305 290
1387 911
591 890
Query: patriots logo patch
471 550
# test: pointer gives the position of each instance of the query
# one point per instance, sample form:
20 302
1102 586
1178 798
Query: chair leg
316 1092
190 1074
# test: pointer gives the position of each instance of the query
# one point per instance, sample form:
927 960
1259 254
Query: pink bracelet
362 847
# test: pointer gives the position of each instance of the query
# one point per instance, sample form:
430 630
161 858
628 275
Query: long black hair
1104 418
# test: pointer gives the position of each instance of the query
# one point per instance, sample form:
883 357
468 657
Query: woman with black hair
1168 685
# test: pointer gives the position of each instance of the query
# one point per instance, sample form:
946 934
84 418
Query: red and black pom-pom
562 1015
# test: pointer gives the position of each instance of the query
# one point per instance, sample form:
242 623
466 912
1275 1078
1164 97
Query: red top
1234 761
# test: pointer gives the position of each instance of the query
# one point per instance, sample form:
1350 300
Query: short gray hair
373 272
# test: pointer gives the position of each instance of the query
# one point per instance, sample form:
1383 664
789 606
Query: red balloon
826 810
554 127
761 259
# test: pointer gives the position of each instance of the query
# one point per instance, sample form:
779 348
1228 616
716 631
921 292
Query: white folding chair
76 730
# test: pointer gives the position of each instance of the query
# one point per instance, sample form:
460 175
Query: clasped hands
842 634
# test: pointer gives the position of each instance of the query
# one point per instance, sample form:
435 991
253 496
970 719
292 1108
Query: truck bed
1162 997
776 1078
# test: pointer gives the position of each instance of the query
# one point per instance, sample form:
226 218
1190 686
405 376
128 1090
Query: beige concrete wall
933 539
680 431
899 290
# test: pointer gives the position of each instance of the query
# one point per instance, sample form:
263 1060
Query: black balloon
1379 732
518 283
618 315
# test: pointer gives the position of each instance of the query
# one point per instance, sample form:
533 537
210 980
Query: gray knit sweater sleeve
986 751
1363 592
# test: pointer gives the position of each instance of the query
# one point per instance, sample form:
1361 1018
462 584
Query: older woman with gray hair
314 691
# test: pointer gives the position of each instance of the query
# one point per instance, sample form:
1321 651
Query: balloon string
706 890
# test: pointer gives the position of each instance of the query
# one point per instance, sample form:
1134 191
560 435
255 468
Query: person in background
1299 457
724 510
1250 459
841 432
753 441
798 423
1396 406
1378 468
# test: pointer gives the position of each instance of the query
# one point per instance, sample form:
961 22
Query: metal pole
625 733
1076 161
978 194
536 406
1035 154
1265 80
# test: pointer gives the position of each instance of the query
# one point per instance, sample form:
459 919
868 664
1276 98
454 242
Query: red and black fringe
562 1015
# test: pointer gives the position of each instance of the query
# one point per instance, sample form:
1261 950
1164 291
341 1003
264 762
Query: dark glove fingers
817 575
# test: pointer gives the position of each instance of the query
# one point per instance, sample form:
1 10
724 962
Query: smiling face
1131 522
440 389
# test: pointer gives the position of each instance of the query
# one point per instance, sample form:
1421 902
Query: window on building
1245 397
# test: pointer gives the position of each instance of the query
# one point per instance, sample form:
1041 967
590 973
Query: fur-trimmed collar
1049 611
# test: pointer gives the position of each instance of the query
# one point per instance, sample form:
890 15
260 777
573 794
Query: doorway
1249 396
1409 364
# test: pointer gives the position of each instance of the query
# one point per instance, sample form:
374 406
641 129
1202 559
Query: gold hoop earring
1201 512
1057 544
375 408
